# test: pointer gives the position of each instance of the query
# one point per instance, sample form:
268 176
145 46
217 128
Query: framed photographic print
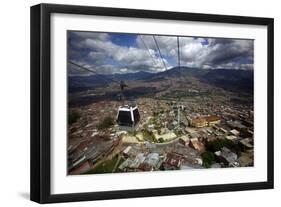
133 103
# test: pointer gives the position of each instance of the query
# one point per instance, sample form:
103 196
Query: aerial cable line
169 80
179 66
134 110
145 45
179 60
159 51
121 82
91 71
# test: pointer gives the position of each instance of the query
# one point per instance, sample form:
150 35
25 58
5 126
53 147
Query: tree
73 116
106 123
134 133
217 144
149 136
208 158
161 140
158 130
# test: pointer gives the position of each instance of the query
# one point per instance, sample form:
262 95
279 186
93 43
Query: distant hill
179 71
131 76
235 80
80 83
228 79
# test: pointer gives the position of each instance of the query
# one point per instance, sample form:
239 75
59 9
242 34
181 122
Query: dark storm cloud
227 50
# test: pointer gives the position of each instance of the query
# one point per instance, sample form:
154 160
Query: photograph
133 103
157 102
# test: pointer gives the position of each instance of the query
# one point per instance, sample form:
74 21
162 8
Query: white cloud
206 53
92 35
123 70
135 57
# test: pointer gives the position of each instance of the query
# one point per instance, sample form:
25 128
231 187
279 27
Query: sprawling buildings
160 138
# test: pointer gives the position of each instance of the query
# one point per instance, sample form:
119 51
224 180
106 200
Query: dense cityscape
169 136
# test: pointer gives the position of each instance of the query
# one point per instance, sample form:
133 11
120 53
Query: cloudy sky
108 53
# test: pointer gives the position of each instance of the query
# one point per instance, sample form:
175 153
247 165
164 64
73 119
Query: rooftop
212 118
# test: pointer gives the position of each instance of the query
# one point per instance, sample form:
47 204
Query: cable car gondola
127 115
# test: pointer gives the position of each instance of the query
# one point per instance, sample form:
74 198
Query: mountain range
228 79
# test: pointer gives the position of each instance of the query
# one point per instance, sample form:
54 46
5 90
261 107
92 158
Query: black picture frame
41 95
